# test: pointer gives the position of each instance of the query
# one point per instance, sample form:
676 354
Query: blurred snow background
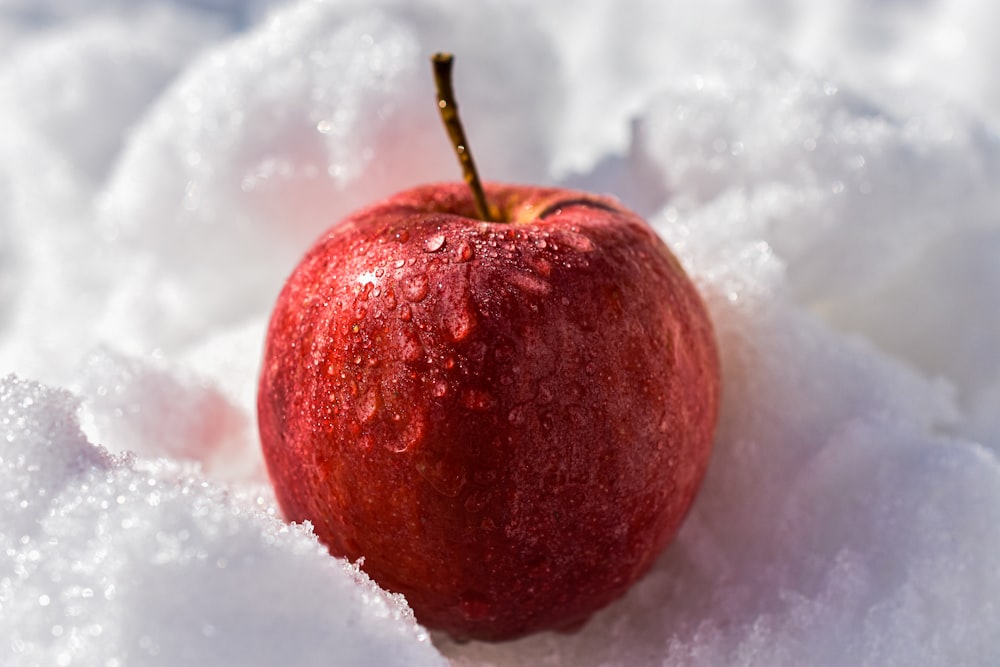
827 171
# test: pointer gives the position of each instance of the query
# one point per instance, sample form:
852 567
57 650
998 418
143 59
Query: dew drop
415 287
410 348
484 477
414 432
445 476
576 241
409 434
577 416
542 266
476 399
530 283
369 405
459 323
434 243
404 313
476 502
516 416
440 388
401 235
464 251
546 422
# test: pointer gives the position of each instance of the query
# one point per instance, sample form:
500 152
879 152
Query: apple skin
507 421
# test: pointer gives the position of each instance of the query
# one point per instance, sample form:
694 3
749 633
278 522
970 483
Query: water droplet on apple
546 422
434 243
474 606
414 432
445 476
440 388
530 283
477 350
404 313
577 416
476 501
465 251
540 244
369 405
476 399
399 263
459 323
402 235
516 416
542 266
415 287
484 477
664 424
408 433
410 348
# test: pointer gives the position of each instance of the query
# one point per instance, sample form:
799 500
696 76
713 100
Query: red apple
506 420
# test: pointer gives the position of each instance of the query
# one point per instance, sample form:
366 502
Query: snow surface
827 172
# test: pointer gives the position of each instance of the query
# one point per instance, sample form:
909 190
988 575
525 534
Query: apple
506 419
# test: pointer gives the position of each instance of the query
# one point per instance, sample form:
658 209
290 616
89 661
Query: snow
827 173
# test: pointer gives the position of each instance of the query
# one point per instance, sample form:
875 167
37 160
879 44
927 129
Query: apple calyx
442 64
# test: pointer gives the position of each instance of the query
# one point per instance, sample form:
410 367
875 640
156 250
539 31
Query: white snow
827 171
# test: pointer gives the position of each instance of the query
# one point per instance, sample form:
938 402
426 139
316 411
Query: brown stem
442 63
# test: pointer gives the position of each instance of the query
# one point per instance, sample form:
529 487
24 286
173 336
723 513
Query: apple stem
442 63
